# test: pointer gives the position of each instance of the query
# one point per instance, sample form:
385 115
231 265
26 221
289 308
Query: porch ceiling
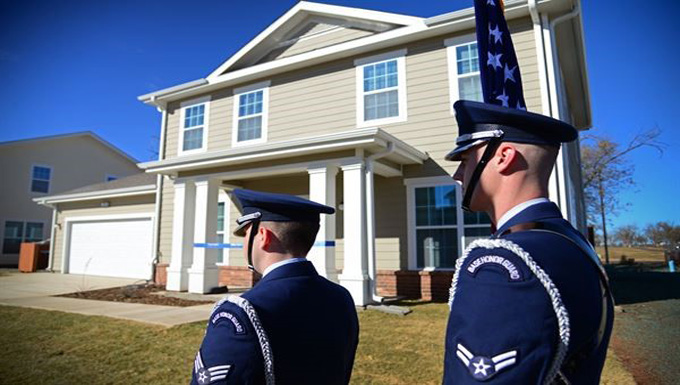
371 140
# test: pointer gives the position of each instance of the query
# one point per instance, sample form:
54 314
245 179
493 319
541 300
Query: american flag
501 81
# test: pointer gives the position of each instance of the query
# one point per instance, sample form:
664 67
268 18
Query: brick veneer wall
230 276
426 285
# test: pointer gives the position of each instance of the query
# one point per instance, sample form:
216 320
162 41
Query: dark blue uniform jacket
517 299
300 328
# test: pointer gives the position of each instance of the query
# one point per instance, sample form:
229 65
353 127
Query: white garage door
114 248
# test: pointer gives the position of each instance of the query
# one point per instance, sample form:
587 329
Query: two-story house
351 108
38 167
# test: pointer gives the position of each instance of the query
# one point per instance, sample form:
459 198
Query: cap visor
240 231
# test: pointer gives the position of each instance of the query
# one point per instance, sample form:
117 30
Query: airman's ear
506 157
266 237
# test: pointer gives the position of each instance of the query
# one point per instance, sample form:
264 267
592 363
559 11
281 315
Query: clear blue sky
78 65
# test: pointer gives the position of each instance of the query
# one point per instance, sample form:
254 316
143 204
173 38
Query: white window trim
264 86
400 56
451 45
411 185
206 124
49 181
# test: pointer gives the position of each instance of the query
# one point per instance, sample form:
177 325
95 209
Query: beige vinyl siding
125 205
390 224
320 36
323 40
172 131
313 101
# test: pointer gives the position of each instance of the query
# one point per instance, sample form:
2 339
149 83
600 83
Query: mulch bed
134 294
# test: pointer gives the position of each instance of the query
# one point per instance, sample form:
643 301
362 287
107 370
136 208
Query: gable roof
293 23
89 134
235 70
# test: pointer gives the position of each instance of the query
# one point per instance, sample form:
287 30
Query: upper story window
381 89
40 179
250 114
464 78
194 126
439 229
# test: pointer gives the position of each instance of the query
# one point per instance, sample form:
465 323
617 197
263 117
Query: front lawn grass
59 348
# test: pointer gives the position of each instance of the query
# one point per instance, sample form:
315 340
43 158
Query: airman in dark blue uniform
294 326
530 305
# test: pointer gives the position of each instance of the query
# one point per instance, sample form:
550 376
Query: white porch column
203 274
182 236
322 190
354 276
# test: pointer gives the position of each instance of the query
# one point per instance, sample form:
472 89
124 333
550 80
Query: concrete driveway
37 290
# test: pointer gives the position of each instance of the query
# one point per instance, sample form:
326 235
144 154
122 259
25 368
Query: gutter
123 192
370 219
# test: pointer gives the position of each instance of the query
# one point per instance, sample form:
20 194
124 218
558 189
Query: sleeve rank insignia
482 368
205 375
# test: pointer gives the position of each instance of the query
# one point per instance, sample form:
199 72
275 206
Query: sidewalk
37 290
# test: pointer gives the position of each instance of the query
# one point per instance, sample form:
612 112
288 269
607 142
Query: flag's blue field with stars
501 80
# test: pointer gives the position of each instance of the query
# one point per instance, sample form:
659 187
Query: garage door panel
120 248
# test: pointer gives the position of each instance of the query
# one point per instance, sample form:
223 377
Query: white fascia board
332 142
298 13
150 98
90 195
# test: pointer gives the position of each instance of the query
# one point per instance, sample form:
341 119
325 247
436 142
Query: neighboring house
351 108
37 167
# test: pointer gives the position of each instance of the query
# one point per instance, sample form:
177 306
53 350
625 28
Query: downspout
559 107
155 253
53 234
370 220
547 77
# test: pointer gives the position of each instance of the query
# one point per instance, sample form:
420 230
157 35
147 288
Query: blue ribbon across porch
240 245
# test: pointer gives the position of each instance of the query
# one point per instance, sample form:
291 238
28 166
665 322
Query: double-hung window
250 114
194 126
17 232
439 229
381 89
464 78
40 179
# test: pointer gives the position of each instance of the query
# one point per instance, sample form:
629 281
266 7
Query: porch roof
372 140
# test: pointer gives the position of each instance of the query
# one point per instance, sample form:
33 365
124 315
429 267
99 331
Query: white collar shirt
518 209
282 263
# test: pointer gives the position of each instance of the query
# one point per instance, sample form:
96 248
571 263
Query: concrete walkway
37 290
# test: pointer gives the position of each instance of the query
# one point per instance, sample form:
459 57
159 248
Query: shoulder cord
267 354
576 357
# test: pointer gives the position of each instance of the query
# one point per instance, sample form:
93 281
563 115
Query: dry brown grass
640 254
60 348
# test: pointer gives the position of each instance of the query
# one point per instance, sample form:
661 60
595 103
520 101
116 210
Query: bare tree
627 235
664 234
607 171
